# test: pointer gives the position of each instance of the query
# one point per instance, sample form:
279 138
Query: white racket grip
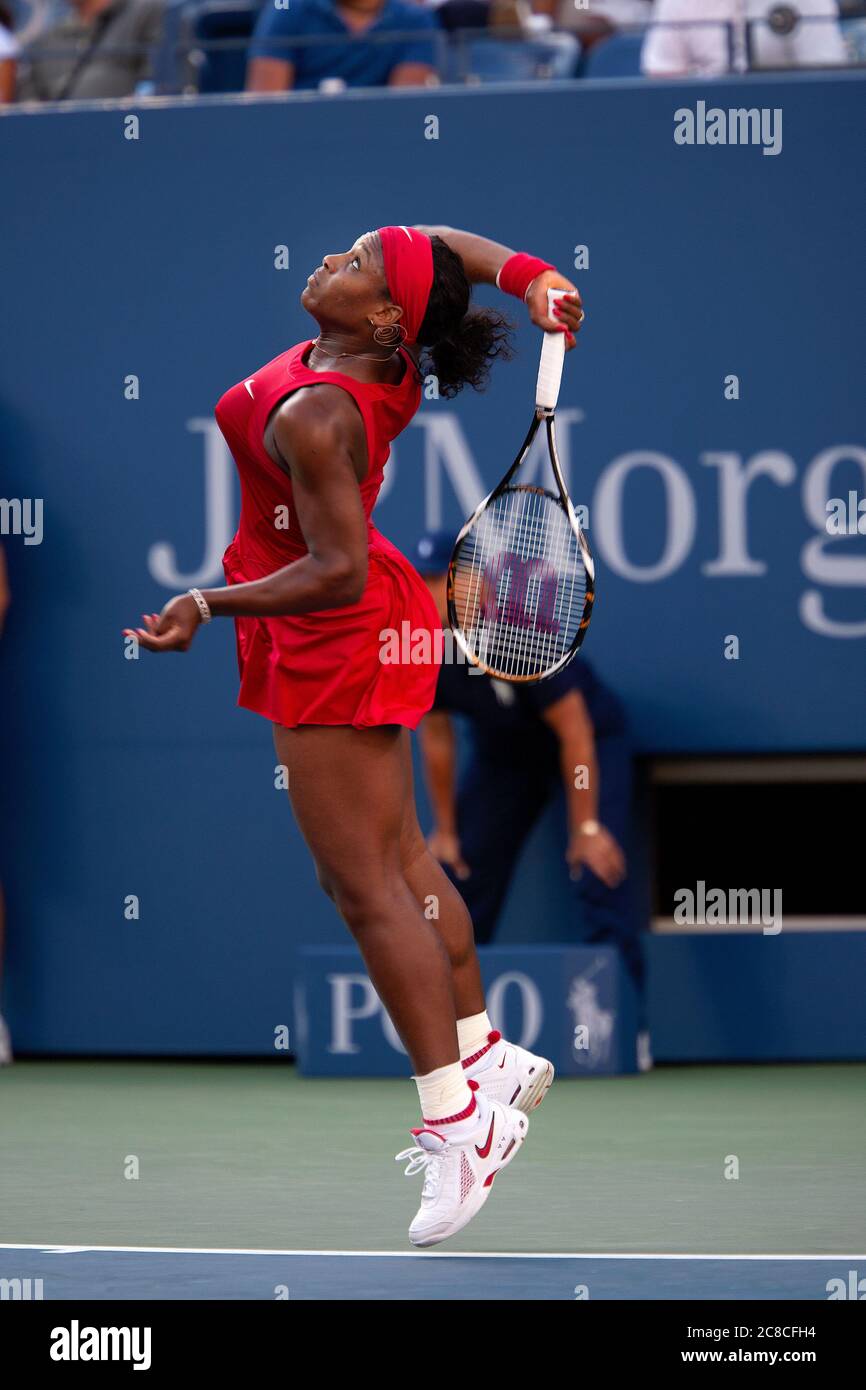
552 358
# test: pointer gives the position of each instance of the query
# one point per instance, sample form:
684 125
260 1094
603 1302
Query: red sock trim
452 1119
492 1038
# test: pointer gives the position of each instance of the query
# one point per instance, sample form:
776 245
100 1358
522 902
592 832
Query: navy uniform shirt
507 716
358 58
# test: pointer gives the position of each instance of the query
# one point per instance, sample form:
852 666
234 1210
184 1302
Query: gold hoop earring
389 335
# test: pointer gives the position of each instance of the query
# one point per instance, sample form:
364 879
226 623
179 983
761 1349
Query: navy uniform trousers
499 801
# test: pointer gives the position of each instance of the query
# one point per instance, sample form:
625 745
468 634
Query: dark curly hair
460 344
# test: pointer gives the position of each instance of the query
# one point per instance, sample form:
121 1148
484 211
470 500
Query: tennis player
312 585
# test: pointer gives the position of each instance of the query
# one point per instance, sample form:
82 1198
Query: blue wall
155 257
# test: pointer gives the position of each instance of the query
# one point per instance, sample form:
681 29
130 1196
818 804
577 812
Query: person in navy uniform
526 741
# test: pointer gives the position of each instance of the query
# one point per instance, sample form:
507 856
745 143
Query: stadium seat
170 70
488 60
223 69
854 35
618 56
485 59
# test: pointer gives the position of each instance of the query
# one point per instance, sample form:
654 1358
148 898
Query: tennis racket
521 581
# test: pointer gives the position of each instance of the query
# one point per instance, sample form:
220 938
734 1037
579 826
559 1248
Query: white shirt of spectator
702 50
8 45
619 12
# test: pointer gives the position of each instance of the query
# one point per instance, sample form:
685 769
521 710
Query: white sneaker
458 1176
644 1052
510 1074
5 1044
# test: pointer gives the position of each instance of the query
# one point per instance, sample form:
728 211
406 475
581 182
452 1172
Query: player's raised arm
515 272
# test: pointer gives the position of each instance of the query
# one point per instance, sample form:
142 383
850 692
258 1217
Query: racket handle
552 358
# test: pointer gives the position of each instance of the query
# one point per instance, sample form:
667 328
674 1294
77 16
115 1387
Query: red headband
408 256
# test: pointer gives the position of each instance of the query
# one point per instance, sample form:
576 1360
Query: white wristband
201 604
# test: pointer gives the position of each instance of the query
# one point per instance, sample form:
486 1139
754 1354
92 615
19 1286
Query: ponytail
460 344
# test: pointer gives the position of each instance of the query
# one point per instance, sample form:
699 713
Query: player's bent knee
361 906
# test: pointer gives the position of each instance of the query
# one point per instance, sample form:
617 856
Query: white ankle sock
444 1093
472 1034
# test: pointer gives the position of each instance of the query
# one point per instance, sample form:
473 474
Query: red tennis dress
334 666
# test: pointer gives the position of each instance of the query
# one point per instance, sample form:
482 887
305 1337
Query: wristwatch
588 827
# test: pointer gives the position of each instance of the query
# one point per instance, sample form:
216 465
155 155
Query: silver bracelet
201 604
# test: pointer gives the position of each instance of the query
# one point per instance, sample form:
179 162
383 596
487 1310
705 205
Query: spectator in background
101 49
853 14
704 49
538 50
597 19
8 55
527 741
5 1044
278 63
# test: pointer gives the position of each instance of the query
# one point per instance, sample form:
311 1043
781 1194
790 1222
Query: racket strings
520 585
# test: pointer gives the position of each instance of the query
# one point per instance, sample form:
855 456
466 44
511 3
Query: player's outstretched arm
320 440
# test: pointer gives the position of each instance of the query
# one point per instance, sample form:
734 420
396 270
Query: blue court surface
115 1272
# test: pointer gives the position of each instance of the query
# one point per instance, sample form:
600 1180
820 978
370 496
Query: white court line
405 1254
